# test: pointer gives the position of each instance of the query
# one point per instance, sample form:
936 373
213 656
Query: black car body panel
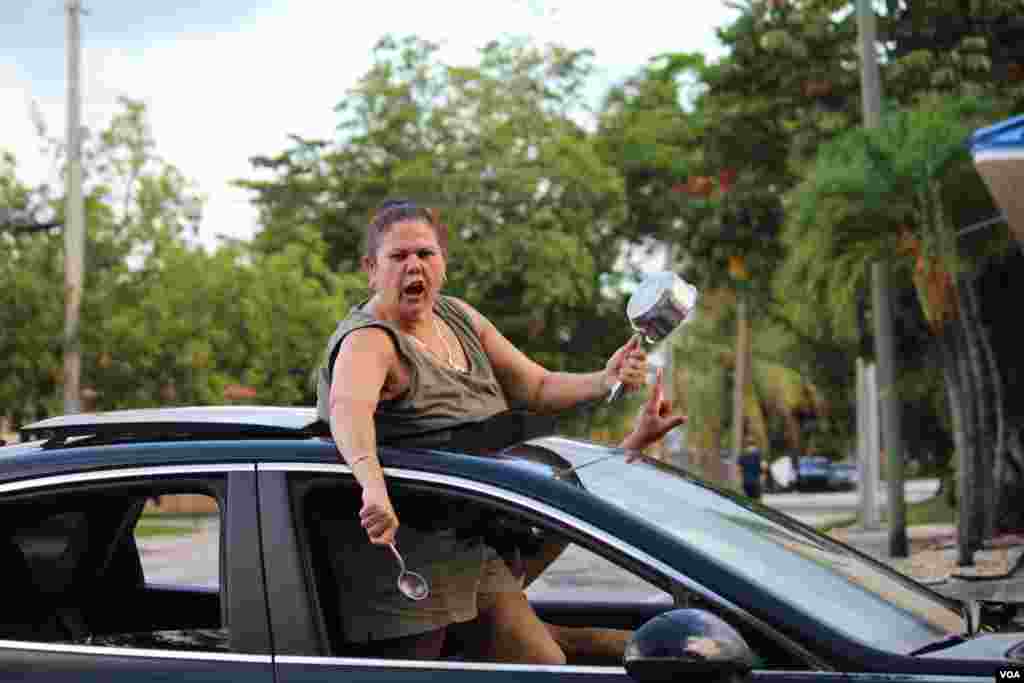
786 587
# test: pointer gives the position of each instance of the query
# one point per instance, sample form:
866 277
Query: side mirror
686 642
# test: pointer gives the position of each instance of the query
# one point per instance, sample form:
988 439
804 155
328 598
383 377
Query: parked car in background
813 472
842 476
716 586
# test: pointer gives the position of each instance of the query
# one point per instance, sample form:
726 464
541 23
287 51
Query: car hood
986 646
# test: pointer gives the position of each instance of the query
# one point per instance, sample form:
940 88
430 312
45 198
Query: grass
934 510
167 524
143 530
837 524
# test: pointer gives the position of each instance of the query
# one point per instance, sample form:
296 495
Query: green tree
31 314
163 322
204 322
705 168
887 195
533 210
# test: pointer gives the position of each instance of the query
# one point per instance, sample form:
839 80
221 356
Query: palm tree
890 194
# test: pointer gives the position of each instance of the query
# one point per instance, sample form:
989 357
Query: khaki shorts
462 573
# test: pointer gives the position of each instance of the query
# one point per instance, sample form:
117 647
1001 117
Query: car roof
195 420
221 435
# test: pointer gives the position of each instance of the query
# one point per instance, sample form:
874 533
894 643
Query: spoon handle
398 556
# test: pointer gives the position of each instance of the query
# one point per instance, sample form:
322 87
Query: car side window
575 591
582 575
101 566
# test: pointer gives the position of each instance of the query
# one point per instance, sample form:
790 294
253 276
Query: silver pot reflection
661 303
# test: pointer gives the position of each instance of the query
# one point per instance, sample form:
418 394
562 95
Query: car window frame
127 477
593 538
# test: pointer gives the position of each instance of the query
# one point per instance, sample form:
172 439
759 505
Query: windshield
869 603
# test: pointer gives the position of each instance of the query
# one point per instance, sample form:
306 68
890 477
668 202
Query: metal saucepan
661 303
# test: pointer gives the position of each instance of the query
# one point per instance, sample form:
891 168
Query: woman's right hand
628 365
377 516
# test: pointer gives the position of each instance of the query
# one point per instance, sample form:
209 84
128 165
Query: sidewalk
997 573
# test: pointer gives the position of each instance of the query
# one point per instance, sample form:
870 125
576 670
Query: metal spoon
410 584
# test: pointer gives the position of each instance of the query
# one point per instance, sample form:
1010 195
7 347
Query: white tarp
782 471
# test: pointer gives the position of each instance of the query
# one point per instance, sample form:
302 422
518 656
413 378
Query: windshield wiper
971 610
941 644
972 616
618 453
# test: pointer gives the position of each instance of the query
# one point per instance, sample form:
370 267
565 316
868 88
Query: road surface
818 509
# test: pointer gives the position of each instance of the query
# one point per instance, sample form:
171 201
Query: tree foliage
751 169
30 309
533 209
163 322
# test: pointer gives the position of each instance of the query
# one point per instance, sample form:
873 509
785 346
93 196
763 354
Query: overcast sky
227 79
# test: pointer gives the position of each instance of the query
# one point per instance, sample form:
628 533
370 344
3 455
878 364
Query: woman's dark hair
394 211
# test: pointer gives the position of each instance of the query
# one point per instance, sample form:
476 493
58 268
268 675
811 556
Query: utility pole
867 443
871 102
74 227
739 389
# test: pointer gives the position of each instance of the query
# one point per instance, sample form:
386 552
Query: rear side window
126 566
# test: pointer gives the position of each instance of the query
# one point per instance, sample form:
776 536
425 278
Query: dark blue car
843 476
813 473
716 586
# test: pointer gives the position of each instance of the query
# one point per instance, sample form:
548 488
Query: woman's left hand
628 365
655 419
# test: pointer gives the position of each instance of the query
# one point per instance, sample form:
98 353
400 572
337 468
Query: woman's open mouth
414 290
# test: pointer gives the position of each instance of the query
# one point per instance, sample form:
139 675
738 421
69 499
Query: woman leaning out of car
410 360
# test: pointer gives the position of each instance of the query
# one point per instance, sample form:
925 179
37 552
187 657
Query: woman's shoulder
358 318
457 306
360 327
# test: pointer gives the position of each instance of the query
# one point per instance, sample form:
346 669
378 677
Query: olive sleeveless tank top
438 396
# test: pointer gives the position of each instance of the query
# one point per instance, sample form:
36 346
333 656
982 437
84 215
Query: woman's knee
546 652
517 634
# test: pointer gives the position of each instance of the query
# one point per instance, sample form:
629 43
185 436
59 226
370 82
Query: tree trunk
965 468
985 424
970 495
989 449
1002 340
1010 482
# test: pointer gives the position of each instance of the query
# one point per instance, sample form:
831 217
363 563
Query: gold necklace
447 348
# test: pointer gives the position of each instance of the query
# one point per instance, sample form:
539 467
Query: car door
306 641
92 596
303 649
